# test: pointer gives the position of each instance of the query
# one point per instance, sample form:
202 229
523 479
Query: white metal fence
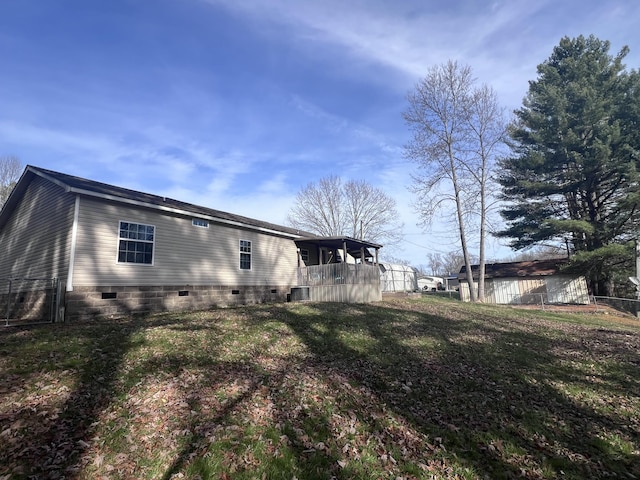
31 300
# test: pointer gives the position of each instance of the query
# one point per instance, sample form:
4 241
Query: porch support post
376 256
362 258
344 251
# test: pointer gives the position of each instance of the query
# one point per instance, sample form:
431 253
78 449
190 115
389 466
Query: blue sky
237 105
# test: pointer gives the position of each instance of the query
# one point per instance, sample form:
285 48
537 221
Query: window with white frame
135 243
198 222
245 255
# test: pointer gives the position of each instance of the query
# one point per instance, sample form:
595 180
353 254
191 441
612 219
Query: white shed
398 278
527 282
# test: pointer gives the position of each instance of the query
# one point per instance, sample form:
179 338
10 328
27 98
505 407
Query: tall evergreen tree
573 175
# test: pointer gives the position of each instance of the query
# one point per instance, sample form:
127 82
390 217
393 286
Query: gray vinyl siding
183 254
36 241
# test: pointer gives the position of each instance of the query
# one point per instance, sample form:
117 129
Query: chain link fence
624 305
31 300
594 304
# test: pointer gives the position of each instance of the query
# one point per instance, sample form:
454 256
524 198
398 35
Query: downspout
72 253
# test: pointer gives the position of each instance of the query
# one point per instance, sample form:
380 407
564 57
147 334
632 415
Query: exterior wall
29 300
341 282
36 240
531 290
465 296
398 278
183 254
363 293
504 291
90 303
567 289
313 250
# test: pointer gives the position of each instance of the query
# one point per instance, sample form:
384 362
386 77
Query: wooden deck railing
339 274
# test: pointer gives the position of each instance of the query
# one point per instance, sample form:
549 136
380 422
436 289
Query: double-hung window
135 243
245 255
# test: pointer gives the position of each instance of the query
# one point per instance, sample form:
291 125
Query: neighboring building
527 282
119 251
398 278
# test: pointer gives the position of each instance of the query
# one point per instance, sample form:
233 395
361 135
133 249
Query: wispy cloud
503 41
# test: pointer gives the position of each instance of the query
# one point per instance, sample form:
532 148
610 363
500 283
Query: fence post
53 301
8 304
542 300
60 299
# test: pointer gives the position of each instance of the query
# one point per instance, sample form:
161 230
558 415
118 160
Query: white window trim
199 222
153 251
250 253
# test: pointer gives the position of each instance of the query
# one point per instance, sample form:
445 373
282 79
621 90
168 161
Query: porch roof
353 245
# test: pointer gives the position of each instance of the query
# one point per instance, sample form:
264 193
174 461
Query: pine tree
573 175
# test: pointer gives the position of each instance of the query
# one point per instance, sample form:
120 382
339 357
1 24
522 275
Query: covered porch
337 269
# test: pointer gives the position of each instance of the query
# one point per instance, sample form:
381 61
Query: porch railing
339 274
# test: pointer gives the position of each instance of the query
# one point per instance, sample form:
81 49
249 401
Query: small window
135 243
109 295
245 255
304 255
198 222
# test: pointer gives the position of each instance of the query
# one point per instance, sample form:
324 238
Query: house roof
530 268
104 191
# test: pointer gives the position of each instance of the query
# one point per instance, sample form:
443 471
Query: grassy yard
406 388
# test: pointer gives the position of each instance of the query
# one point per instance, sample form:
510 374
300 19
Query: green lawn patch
405 388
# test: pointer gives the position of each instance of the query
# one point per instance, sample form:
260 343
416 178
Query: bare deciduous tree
444 264
353 208
10 171
458 130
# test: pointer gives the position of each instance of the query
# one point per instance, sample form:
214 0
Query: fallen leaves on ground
401 389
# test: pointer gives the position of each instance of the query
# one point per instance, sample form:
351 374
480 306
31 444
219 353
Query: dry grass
407 388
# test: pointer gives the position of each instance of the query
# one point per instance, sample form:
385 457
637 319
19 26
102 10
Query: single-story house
528 282
115 251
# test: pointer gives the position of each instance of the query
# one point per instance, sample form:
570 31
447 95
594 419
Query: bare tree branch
458 131
354 208
10 171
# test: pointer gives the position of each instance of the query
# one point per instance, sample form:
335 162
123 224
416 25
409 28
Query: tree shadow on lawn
397 388
166 408
491 392
50 431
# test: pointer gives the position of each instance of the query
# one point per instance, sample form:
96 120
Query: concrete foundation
109 302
